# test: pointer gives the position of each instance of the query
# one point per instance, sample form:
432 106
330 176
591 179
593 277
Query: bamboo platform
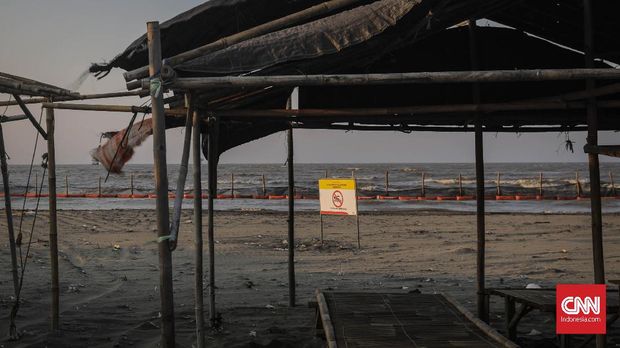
362 319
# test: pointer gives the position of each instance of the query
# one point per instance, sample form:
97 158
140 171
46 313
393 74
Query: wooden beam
140 93
112 108
166 292
213 157
9 213
198 244
7 119
412 110
275 25
180 189
291 213
593 160
607 150
33 120
196 83
480 213
53 224
18 85
446 129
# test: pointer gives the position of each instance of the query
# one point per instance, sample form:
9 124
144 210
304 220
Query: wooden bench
542 300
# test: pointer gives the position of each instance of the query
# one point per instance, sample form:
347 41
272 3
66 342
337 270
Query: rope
13 333
21 219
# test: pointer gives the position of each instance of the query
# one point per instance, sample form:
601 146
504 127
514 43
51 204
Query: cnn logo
581 309
575 305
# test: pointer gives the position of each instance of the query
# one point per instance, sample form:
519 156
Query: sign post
338 197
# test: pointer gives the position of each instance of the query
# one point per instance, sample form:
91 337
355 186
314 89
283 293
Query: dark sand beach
109 272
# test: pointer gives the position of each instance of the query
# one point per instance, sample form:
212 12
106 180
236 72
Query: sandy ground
110 298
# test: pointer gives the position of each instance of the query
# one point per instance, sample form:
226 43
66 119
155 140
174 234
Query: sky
55 42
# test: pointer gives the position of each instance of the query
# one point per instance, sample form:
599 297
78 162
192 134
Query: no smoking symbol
337 199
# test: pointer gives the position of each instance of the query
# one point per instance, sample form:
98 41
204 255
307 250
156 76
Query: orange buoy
92 195
465 198
260 197
427 198
123 195
365 198
387 198
407 198
505 198
152 195
446 198
224 196
566 198
525 198
139 195
243 196
277 197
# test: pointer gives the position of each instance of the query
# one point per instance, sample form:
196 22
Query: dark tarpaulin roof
385 36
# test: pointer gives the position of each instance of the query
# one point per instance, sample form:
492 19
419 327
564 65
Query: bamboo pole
16 85
280 23
540 184
423 184
180 189
9 212
198 244
140 93
291 212
213 152
474 76
327 124
131 183
460 184
577 184
161 188
480 214
232 185
593 161
264 185
498 184
113 108
6 119
611 180
53 225
411 111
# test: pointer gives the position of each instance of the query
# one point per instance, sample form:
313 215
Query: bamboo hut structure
388 65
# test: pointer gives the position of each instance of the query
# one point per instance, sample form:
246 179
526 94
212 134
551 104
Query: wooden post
198 245
387 182
423 184
291 208
232 185
53 227
480 218
611 180
213 154
99 187
161 188
183 168
9 212
593 162
577 184
499 184
131 183
67 185
264 185
460 184
326 173
540 184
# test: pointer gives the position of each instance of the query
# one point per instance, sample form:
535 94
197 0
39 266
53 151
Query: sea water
405 179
